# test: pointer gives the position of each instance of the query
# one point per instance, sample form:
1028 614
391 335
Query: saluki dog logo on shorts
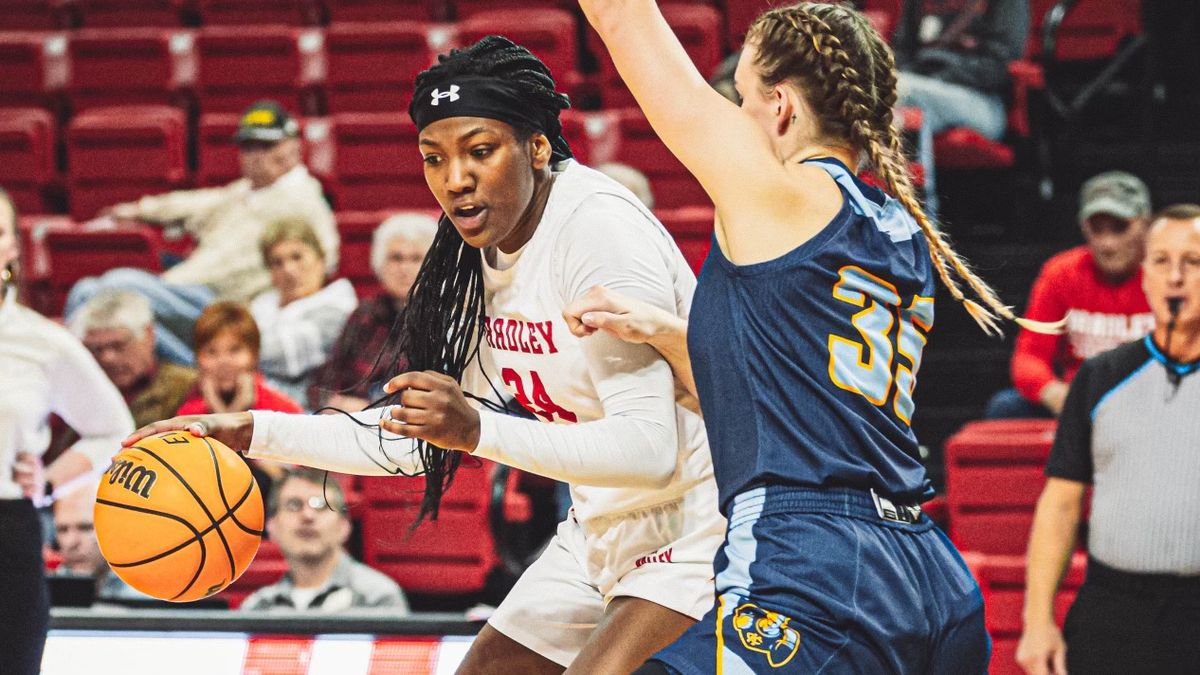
766 632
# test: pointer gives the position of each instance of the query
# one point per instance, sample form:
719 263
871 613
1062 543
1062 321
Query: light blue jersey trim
891 217
733 582
1120 384
1179 368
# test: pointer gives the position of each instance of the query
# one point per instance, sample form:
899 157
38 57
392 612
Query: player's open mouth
469 218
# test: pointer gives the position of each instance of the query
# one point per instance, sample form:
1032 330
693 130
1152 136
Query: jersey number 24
866 364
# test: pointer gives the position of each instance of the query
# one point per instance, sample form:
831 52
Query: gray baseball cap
1116 193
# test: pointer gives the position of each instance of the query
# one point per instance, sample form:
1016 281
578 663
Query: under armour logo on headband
438 94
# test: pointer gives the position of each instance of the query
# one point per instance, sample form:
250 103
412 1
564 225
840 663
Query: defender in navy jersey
806 335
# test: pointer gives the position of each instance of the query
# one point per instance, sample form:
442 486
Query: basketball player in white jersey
527 231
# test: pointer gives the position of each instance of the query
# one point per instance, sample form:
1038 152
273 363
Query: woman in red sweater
226 340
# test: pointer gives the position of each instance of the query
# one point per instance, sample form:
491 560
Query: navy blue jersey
805 364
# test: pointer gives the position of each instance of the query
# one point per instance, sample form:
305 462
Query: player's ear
539 151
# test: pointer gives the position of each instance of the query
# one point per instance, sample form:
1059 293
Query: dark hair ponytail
442 325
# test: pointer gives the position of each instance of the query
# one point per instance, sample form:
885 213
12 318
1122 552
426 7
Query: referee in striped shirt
1130 428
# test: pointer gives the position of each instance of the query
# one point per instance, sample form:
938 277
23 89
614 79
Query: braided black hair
443 322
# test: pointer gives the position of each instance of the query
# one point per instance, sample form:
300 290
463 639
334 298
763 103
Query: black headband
489 97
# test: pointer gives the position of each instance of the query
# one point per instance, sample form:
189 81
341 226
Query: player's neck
814 150
313 574
1185 343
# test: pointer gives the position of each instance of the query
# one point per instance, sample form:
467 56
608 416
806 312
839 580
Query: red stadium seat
548 33
33 14
119 154
130 66
78 253
692 227
466 9
371 66
739 15
27 149
258 12
698 28
575 125
993 480
242 64
377 164
458 552
1091 29
33 67
1003 578
129 13
639 147
385 10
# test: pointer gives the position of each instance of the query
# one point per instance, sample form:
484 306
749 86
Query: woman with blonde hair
806 335
302 315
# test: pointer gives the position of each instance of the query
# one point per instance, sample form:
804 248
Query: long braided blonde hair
847 75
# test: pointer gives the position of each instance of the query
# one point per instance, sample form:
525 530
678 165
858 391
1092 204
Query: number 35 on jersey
866 363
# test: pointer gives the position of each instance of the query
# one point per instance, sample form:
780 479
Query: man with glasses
306 516
117 327
1097 286
226 223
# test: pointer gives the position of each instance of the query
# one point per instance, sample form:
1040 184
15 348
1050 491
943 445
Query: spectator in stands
301 316
1097 286
397 249
226 222
307 517
1129 430
633 180
953 57
43 370
227 349
117 327
75 536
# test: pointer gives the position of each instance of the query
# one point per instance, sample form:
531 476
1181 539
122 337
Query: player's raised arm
726 151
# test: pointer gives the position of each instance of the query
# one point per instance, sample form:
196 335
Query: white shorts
663 554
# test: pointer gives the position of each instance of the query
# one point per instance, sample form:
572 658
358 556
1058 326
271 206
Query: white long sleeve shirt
44 369
297 337
615 432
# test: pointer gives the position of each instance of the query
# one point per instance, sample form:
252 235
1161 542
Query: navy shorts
815 581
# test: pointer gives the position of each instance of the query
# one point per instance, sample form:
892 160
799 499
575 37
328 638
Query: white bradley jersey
593 232
609 424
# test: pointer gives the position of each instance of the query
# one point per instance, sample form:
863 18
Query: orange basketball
178 517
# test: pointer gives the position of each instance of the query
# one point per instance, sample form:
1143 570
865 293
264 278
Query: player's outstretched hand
1042 650
232 429
434 409
626 318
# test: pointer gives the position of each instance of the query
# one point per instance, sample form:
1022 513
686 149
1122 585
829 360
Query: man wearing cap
1097 286
226 223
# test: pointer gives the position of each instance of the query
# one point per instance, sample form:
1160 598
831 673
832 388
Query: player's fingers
172 424
417 379
408 416
401 429
416 399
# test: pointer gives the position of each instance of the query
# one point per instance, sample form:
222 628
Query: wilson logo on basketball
133 477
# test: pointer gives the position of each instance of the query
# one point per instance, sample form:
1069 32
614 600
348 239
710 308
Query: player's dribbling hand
628 319
1042 651
232 429
433 409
